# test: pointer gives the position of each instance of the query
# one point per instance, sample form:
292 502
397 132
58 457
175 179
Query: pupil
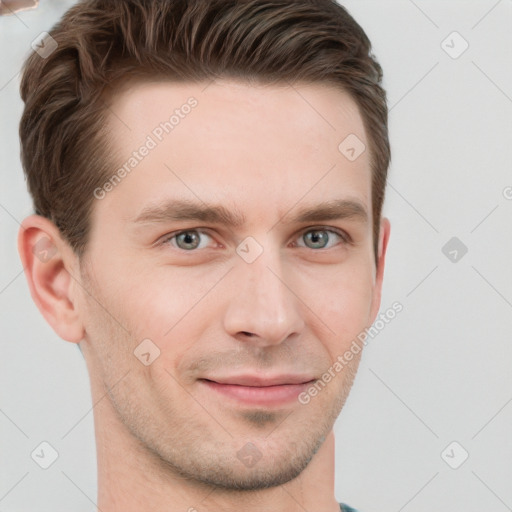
317 236
188 238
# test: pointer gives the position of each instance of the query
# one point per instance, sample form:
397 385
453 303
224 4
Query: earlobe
46 259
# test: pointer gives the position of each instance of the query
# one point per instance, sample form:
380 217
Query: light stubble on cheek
108 334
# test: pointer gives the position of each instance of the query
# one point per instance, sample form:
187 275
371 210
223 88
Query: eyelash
346 239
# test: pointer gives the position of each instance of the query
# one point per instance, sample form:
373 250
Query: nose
264 309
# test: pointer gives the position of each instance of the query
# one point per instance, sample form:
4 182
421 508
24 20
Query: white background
439 372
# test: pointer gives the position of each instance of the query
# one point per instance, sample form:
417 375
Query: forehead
315 110
238 143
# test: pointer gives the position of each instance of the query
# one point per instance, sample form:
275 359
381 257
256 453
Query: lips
254 381
251 390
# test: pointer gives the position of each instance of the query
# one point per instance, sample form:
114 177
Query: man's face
272 297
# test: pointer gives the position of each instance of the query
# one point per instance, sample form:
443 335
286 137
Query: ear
384 232
48 261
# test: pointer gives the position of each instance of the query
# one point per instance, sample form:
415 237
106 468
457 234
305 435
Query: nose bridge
263 304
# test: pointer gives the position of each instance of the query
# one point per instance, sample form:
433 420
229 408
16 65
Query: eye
186 240
319 238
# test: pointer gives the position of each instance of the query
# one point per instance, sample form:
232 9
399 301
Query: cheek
171 307
174 306
342 300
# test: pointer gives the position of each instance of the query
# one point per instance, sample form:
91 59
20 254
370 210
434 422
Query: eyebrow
186 210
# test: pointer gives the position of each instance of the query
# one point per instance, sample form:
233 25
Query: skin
165 440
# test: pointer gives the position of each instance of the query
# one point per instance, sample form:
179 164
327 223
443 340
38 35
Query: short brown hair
64 147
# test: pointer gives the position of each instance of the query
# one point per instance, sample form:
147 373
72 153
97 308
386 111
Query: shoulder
346 508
